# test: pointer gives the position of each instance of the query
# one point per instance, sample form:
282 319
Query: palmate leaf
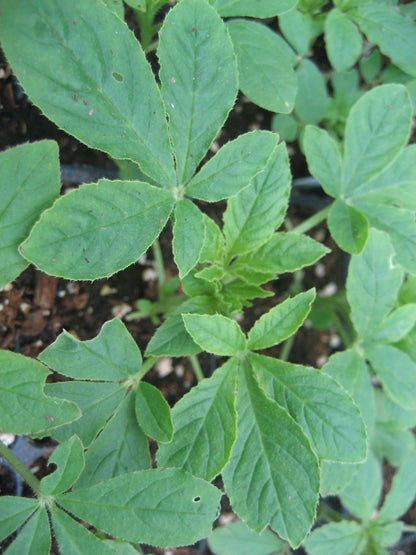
327 415
69 458
87 235
204 426
267 8
24 407
272 476
198 73
35 536
29 183
162 508
14 511
71 59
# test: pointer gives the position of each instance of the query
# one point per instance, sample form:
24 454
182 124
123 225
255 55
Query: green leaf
198 72
373 284
377 129
273 475
215 334
24 408
97 401
14 511
213 247
237 539
29 183
267 8
115 6
120 448
362 495
296 30
394 33
312 100
54 54
281 321
388 534
342 538
401 494
324 159
111 356
394 445
389 412
343 40
265 65
348 226
69 458
73 538
371 65
204 426
397 324
172 338
188 236
286 126
324 411
34 538
253 215
137 4
284 252
163 508
195 286
122 548
396 371
103 237
233 167
153 413
336 476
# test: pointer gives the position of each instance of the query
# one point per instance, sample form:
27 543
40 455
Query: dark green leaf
324 159
348 226
69 458
342 538
267 8
343 40
237 539
153 413
188 236
13 513
312 100
35 536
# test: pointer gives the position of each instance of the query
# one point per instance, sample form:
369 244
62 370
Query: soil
35 308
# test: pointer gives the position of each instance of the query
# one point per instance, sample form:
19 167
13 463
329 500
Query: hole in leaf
196 499
117 76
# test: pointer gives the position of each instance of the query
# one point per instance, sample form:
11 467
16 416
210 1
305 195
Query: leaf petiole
21 469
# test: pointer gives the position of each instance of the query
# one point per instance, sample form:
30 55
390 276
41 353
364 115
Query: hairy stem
21 469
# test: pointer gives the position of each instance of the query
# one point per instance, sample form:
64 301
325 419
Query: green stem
341 330
197 368
330 514
312 221
160 267
146 366
23 470
409 528
287 347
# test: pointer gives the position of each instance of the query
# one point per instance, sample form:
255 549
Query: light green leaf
122 548
286 126
394 33
388 534
211 273
281 321
373 284
312 100
267 8
237 539
343 40
137 4
73 538
34 538
253 215
121 447
29 183
204 426
324 159
153 413
389 412
265 65
188 236
284 252
396 371
111 356
336 476
273 475
392 444
115 6
194 286
172 338
377 129
163 508
24 408
215 334
397 324
86 235
362 495
198 72
370 66
97 401
342 538
324 411
296 30
94 97
69 458
213 247
348 226
401 494
13 513
233 167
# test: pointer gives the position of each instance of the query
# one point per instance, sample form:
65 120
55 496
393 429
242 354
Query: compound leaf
14 511
87 235
35 536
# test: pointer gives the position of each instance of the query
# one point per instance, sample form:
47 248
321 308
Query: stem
197 368
146 366
160 267
23 470
287 347
330 514
341 330
409 528
312 221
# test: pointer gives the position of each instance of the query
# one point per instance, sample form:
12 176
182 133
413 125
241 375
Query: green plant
279 433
